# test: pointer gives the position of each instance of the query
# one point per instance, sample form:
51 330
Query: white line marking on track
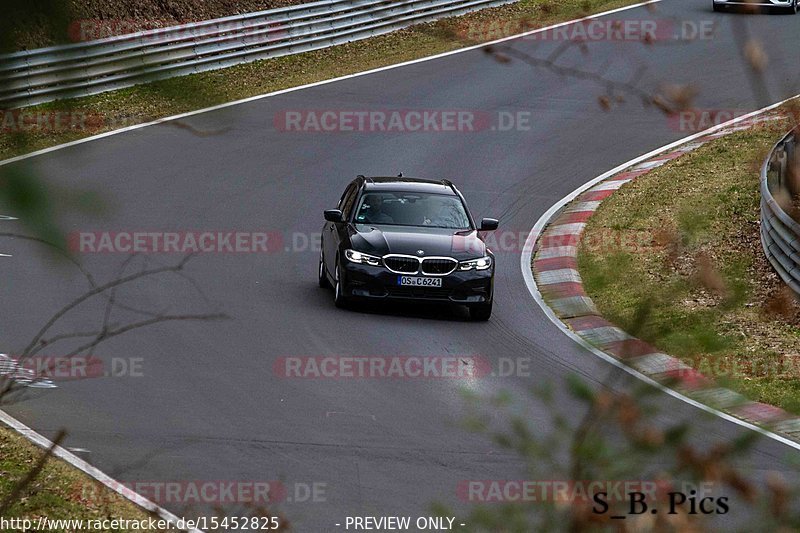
79 450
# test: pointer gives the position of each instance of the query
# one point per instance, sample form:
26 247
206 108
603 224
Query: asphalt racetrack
206 401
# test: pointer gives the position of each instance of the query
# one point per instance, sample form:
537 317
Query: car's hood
384 239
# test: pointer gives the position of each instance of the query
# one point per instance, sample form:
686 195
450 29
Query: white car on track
789 6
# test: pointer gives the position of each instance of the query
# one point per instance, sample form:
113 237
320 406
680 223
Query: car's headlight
361 258
478 264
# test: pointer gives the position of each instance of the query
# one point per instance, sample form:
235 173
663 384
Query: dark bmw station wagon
405 238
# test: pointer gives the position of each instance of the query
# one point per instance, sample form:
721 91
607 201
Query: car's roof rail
448 183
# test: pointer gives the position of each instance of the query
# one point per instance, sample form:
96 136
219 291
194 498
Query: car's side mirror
489 224
333 215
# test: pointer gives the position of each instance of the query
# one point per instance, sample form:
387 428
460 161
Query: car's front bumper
368 282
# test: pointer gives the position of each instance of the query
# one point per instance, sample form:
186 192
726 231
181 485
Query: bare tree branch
98 290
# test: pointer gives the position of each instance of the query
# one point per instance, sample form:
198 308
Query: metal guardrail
780 233
37 76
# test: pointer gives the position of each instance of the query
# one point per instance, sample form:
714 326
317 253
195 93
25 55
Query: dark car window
413 209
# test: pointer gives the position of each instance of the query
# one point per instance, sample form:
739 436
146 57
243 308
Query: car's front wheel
480 312
339 299
718 7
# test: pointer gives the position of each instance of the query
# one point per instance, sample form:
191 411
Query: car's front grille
401 264
439 266
429 266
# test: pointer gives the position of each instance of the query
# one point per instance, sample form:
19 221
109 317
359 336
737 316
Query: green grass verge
168 97
692 279
59 491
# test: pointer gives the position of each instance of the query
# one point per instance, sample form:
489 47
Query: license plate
412 281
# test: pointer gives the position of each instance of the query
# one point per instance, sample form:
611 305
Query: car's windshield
412 209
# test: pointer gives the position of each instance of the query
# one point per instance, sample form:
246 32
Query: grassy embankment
697 285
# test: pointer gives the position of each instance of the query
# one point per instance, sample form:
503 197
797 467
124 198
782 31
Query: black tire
793 8
323 275
719 7
481 312
339 299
